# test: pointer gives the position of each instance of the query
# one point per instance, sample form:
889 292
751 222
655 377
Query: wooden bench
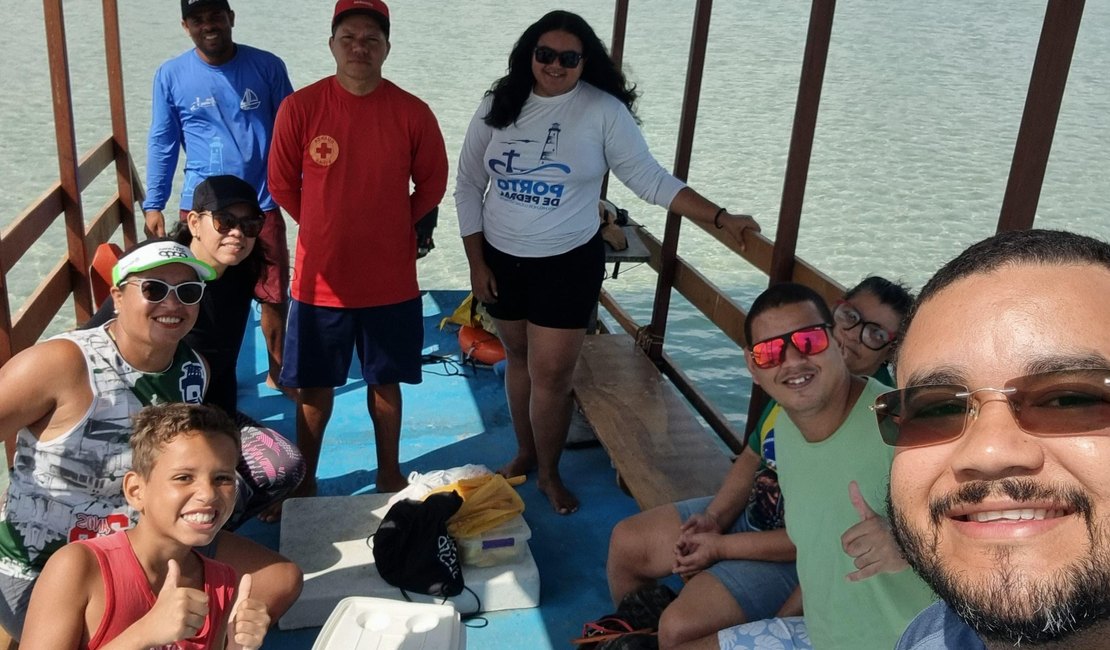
660 449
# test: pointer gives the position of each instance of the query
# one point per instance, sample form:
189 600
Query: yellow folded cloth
488 502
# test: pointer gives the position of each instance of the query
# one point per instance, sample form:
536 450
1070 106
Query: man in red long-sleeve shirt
344 152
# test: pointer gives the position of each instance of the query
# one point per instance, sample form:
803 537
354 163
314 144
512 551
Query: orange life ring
480 345
104 260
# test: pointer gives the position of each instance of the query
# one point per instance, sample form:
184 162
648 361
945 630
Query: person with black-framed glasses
999 492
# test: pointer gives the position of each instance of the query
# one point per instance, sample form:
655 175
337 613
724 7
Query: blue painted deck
458 416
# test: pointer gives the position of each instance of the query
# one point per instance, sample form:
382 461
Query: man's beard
1005 604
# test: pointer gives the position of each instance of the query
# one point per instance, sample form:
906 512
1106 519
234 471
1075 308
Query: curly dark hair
511 91
154 427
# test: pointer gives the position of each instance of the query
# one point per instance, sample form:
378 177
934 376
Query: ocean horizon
920 110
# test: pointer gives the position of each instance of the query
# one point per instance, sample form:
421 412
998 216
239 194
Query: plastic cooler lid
365 623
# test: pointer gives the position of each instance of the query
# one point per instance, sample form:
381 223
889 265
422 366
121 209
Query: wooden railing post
652 339
616 52
124 180
1038 120
801 139
797 163
67 159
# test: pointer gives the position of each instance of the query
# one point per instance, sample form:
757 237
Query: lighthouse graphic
551 145
521 150
216 156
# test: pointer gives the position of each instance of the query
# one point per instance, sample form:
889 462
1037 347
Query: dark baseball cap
190 6
376 9
218 192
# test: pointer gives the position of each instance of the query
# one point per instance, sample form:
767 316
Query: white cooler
365 623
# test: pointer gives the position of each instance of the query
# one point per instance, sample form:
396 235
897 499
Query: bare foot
272 513
389 482
562 499
518 466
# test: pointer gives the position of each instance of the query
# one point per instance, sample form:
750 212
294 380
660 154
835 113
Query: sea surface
921 107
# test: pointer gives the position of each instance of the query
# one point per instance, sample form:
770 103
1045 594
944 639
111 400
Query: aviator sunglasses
1055 403
811 339
225 222
155 291
568 58
873 335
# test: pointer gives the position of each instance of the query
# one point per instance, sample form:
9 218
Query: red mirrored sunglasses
811 339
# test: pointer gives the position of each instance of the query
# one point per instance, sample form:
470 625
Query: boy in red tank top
148 587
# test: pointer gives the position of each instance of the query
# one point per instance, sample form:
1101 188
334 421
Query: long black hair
511 91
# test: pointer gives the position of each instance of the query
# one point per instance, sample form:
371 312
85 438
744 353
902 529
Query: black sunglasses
1054 403
568 59
225 222
153 290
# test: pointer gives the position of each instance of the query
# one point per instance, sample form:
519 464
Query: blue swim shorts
319 340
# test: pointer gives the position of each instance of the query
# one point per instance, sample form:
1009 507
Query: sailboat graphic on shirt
250 101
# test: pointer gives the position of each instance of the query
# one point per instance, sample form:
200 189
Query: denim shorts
760 588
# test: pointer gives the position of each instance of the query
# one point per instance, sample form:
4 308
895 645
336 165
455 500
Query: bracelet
717 218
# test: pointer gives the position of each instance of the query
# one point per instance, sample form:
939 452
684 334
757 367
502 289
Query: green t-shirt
814 479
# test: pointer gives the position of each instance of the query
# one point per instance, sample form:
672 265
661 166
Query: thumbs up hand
870 542
178 613
247 625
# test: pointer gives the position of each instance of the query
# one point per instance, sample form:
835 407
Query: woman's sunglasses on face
1055 403
155 291
809 340
872 335
225 222
568 59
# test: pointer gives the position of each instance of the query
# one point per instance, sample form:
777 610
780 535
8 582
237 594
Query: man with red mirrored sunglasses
858 591
1000 494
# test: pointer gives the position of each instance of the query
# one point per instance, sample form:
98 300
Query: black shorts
560 291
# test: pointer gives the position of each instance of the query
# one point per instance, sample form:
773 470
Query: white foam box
326 537
382 624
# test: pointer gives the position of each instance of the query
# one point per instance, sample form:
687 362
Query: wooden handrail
71 275
26 229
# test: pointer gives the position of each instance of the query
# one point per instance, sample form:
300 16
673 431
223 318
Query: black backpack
414 551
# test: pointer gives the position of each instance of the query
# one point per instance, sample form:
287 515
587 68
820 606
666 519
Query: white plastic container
502 545
364 623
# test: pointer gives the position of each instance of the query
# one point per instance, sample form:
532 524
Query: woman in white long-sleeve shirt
529 178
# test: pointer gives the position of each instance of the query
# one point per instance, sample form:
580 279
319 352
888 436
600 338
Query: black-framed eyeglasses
155 291
1054 403
567 58
872 335
225 222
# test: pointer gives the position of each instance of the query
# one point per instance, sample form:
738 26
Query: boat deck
458 415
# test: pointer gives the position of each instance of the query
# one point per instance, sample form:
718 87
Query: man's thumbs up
864 510
870 542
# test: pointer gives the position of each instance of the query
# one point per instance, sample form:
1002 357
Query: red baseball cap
376 9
